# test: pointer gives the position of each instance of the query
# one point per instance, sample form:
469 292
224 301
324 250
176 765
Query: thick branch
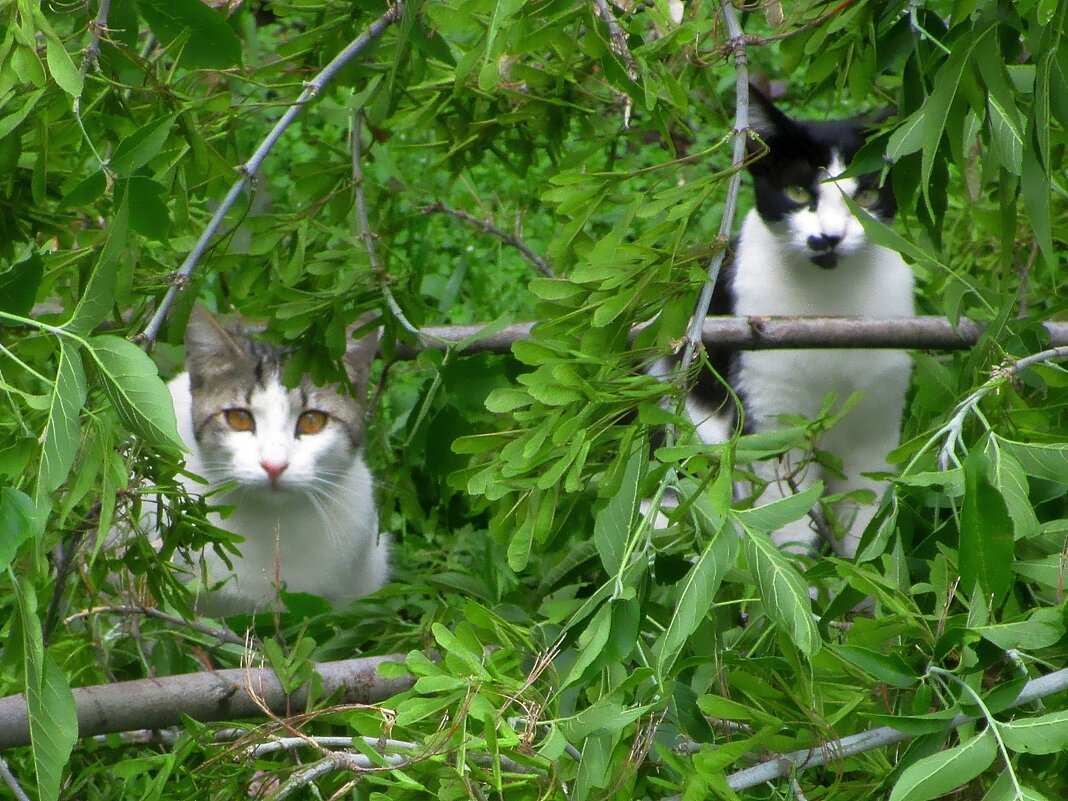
768 333
250 168
219 695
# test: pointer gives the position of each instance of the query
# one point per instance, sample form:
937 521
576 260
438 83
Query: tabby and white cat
301 494
801 251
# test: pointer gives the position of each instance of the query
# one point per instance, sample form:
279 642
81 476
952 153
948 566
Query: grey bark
767 333
211 696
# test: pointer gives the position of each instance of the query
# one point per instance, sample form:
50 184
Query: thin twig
363 225
67 549
787 764
250 168
490 228
11 781
734 185
618 43
221 634
953 431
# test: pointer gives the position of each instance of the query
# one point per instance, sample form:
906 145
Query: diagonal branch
249 170
490 228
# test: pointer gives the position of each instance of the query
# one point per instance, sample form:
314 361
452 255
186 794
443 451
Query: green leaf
140 147
18 286
935 111
1041 461
986 543
1046 734
199 36
611 527
1041 628
1035 189
890 669
783 592
907 136
148 213
52 714
19 522
97 297
1008 478
695 596
773 516
140 397
59 441
936 775
67 76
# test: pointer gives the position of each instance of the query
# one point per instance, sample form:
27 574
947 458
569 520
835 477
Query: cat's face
254 431
798 192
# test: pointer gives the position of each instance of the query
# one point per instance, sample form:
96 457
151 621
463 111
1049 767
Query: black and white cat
801 251
301 493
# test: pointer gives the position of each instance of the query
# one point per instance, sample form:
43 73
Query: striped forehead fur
227 365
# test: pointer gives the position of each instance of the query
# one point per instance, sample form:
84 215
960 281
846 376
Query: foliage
603 656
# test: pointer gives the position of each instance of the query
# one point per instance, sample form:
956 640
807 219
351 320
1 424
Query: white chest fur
770 280
326 543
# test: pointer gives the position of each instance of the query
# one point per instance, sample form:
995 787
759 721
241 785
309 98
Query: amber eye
798 194
311 422
867 197
240 419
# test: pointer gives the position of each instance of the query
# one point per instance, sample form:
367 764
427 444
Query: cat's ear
875 119
765 118
361 352
210 349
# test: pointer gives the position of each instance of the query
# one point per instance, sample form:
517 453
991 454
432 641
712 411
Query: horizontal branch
788 764
765 333
216 695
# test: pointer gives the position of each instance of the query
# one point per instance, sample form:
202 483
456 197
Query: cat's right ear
764 118
361 352
210 350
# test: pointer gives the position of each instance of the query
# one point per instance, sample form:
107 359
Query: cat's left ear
361 352
874 119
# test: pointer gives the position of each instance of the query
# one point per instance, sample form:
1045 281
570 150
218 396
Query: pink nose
273 470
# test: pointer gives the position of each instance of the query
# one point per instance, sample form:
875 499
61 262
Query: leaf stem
990 721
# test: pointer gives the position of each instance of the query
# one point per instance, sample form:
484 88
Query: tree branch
618 44
787 764
220 634
250 168
765 333
219 695
490 228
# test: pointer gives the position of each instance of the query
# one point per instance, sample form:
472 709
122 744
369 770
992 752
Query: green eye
867 197
798 194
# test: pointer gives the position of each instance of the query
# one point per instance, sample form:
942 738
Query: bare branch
219 695
618 43
787 764
11 782
363 224
220 634
250 168
734 185
490 228
766 333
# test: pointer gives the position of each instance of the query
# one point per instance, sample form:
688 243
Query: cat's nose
824 242
273 469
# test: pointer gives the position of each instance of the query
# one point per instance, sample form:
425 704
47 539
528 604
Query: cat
292 468
801 251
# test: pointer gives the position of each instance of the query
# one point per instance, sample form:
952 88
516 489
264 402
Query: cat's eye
866 198
240 419
798 194
311 422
